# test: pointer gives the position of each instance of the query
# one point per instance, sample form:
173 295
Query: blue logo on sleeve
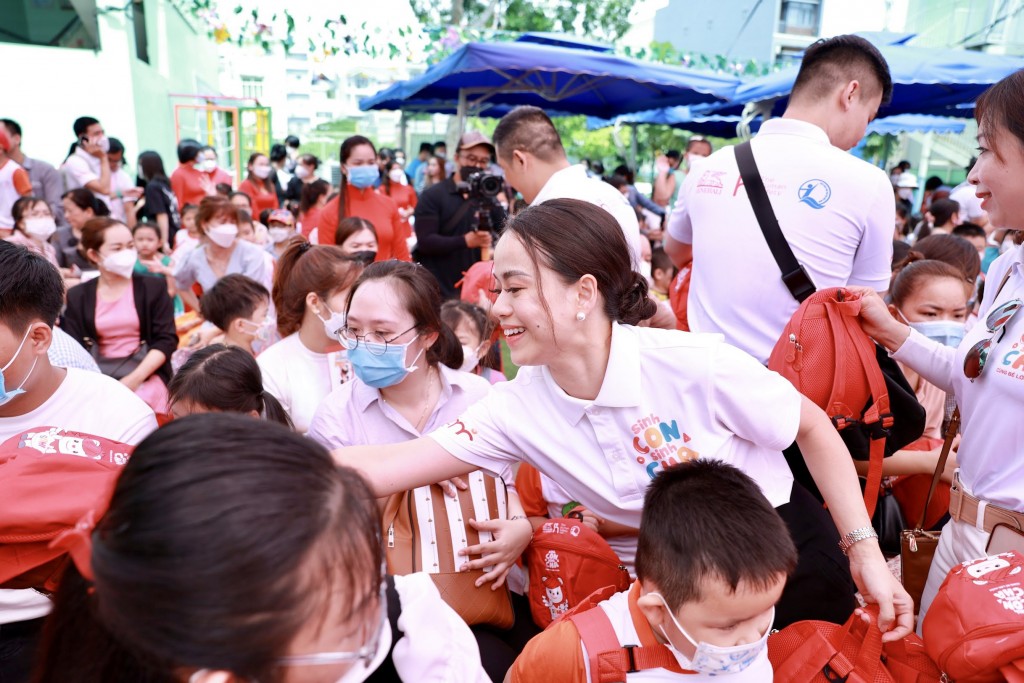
815 193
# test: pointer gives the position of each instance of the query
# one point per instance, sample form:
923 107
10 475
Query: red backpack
567 562
53 482
974 628
813 651
829 359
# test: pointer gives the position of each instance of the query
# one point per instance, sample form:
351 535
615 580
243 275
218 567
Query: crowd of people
295 364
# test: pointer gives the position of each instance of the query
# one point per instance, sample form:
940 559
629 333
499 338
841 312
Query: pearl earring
581 316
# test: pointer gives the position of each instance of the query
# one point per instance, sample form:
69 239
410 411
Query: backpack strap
1013 672
796 278
610 661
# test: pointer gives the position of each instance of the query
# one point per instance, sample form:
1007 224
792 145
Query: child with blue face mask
712 559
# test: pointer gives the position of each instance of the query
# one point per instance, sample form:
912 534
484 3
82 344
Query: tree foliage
606 20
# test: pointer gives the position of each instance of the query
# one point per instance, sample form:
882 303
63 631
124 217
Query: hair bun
635 304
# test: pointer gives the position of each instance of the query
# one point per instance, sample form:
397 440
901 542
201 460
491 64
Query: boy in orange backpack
712 559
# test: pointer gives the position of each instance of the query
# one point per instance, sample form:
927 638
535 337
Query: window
297 97
800 18
138 10
252 87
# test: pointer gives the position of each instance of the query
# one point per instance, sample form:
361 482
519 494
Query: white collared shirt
667 396
574 183
836 211
991 453
80 169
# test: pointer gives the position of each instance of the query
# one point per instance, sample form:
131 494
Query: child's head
147 239
238 305
473 329
188 219
930 296
662 270
31 298
713 557
975 234
223 379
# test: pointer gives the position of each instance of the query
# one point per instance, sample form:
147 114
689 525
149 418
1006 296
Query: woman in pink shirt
33 227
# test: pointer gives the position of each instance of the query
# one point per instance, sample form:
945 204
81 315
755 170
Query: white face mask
121 263
301 172
333 324
906 193
259 331
469 359
41 228
713 659
278 235
104 143
223 235
397 175
262 172
210 165
645 270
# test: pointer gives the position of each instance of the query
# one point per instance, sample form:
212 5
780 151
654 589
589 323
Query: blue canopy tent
925 81
576 79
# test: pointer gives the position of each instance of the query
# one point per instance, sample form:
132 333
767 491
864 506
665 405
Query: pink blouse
117 326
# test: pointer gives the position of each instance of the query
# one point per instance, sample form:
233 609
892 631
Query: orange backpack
820 651
829 359
975 626
567 562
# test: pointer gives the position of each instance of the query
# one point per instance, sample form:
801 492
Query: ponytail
305 268
447 350
273 411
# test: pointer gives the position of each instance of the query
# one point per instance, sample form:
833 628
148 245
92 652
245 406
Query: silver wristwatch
856 536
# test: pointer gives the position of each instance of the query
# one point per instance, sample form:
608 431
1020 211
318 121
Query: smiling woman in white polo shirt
601 406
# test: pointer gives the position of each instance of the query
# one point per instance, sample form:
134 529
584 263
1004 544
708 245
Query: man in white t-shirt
970 203
836 211
88 165
34 393
530 152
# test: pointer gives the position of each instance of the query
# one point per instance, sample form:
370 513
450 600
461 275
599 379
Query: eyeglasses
475 160
375 343
365 654
974 361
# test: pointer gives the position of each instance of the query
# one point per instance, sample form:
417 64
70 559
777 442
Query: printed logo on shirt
458 428
1012 364
56 441
660 444
814 193
710 182
772 186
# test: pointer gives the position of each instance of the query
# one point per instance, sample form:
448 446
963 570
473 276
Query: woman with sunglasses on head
601 405
986 371
266 567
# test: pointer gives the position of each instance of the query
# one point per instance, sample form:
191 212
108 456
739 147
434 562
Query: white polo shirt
667 396
992 432
970 203
574 183
80 169
836 211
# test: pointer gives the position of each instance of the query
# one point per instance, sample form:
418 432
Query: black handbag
118 368
889 522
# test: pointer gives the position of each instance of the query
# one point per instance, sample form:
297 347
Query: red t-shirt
190 185
219 176
376 208
261 199
309 221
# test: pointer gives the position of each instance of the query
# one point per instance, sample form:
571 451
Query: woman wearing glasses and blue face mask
358 196
277 575
985 371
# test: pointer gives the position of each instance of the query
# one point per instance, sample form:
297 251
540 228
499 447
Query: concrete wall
54 86
712 28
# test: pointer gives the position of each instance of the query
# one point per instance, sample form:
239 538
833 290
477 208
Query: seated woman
600 406
237 306
33 227
126 319
310 289
407 384
80 206
358 238
266 567
220 252
223 379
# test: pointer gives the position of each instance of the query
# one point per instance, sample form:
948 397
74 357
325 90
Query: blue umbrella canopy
925 81
567 79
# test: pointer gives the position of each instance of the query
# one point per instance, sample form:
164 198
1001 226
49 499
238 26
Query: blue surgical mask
713 659
385 370
945 332
6 396
363 176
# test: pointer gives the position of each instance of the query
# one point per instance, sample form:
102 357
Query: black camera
482 185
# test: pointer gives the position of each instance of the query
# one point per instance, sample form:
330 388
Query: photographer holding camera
455 218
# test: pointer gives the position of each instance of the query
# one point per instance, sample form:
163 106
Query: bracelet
856 536
512 519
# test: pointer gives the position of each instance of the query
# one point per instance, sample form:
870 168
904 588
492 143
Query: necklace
427 403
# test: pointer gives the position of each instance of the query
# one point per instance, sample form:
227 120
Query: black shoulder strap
793 274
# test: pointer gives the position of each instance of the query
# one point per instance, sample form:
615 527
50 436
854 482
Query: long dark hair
311 194
421 296
152 166
347 146
226 379
576 238
84 199
224 538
